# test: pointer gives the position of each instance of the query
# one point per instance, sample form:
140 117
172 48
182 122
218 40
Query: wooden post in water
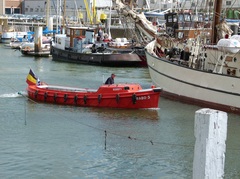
38 30
210 131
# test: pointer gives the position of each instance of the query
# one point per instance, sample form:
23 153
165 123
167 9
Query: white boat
205 87
7 37
198 72
28 49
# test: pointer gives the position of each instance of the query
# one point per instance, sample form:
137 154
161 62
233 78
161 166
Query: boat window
77 33
175 18
187 17
126 88
169 19
200 17
68 32
59 40
180 18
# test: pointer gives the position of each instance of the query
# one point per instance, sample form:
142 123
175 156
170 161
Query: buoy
103 18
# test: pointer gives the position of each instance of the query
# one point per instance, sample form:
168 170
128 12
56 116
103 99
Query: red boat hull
130 96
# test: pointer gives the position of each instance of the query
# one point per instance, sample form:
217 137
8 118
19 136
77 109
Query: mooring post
210 131
38 30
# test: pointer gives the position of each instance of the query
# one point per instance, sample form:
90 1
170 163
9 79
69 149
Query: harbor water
50 141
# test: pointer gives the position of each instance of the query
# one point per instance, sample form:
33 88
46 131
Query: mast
110 21
47 13
64 16
216 20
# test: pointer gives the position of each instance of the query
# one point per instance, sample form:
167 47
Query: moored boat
42 48
28 49
79 46
129 96
203 70
10 36
203 87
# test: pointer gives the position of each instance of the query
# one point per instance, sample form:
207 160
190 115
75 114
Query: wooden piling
210 131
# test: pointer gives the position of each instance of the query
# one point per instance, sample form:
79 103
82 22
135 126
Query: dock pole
38 30
210 131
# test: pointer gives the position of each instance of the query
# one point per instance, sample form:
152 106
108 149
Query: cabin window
180 18
68 32
228 3
59 41
77 33
180 35
175 18
169 19
187 17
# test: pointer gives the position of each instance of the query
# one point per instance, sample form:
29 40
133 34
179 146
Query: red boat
115 96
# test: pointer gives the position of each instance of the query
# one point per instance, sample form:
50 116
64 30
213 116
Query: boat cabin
184 25
74 38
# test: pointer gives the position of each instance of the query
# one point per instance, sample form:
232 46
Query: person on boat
100 34
94 50
101 49
185 54
110 80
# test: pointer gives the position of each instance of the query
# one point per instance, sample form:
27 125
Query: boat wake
13 95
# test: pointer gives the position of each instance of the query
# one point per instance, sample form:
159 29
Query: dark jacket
110 80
